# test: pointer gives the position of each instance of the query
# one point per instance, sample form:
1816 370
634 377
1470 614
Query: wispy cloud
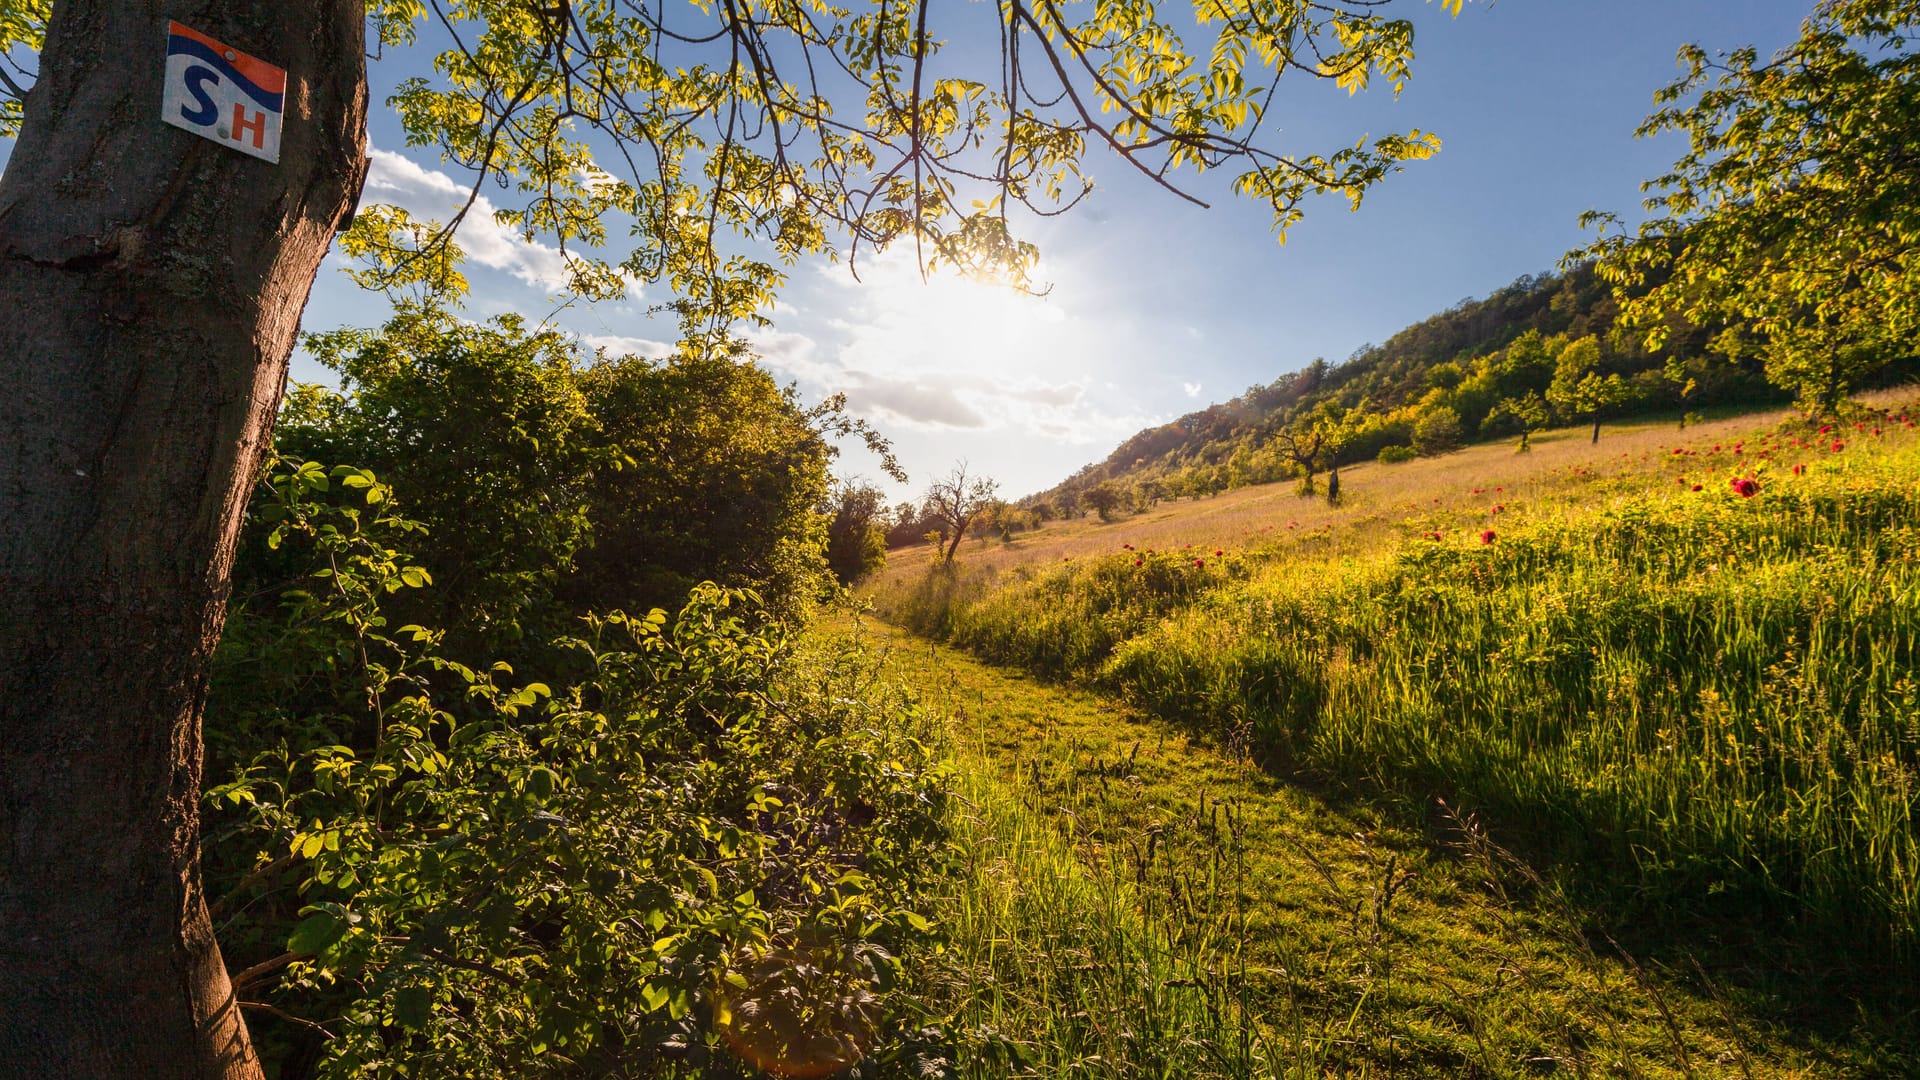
1192 388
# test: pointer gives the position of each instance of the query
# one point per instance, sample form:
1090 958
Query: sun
952 324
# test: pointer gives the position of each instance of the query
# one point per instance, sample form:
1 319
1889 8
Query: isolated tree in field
1579 391
1103 497
1339 436
951 504
153 285
1527 412
1302 449
1066 504
1793 209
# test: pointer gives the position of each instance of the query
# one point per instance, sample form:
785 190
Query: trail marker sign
221 93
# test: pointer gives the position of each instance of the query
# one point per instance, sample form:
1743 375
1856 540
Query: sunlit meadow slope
1678 666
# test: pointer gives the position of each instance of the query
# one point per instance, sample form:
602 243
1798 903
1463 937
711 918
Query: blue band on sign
177 45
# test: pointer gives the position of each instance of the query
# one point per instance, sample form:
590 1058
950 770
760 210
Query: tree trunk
1596 429
151 283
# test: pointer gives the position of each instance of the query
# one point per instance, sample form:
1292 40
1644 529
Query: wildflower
1139 562
1825 428
1677 451
1798 469
1696 487
1487 537
1838 446
1217 553
1746 487
1200 564
1499 507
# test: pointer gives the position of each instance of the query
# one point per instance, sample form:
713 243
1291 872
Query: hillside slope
1467 359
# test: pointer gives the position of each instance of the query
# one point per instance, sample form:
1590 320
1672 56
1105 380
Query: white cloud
617 345
1192 388
425 193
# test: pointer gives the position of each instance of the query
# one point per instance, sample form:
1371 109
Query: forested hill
1452 373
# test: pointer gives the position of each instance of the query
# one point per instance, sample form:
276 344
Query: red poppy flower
1217 553
1798 469
1838 446
1139 562
1201 563
1824 428
1499 508
1696 487
1746 487
1487 537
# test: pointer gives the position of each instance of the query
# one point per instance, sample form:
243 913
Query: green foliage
553 482
1394 455
1527 413
856 534
1580 391
1103 498
455 870
1438 432
486 429
1793 212
721 477
712 122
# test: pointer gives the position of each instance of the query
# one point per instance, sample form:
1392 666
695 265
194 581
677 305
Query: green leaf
413 1007
316 932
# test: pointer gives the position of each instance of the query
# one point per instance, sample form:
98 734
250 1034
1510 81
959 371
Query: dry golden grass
1449 492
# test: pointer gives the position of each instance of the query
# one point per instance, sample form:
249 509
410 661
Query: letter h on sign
221 93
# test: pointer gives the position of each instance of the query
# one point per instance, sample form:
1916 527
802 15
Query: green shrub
1394 455
629 868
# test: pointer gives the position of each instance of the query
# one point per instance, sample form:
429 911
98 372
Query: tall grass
1707 700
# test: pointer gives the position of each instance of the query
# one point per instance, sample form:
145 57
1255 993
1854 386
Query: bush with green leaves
699 845
554 481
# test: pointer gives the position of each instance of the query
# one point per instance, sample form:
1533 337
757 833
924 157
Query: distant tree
1791 211
1103 497
1527 412
856 531
1438 432
1339 435
1066 504
951 504
1301 448
1579 391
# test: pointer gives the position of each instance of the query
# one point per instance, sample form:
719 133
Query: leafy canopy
728 137
1794 212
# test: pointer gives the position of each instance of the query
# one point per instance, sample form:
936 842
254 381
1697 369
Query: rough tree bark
151 284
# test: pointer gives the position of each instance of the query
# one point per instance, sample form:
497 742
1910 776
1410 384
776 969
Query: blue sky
1157 307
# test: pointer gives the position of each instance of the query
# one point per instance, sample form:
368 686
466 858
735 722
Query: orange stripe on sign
264 75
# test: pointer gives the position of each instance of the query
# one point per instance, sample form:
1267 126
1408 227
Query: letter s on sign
206 113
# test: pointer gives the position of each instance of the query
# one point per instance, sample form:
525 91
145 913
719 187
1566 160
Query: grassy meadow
1686 703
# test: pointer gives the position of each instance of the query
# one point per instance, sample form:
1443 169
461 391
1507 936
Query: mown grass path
1138 901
